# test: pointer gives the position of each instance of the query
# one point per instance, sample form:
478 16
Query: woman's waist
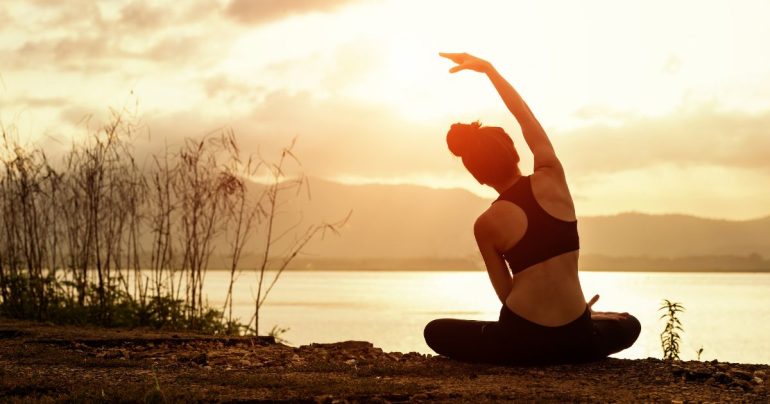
546 314
550 300
549 268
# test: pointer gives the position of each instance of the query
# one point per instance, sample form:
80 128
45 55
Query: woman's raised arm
533 132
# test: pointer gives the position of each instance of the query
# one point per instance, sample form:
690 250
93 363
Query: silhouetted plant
242 209
70 247
269 207
277 333
201 187
670 338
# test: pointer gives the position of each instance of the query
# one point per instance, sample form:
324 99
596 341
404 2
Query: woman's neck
503 186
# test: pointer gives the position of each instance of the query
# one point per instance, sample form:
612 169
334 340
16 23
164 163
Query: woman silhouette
532 226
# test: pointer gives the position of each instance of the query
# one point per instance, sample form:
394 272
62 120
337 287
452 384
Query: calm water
726 314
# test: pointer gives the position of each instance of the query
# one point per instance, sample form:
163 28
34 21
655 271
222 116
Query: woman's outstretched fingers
466 62
455 57
458 58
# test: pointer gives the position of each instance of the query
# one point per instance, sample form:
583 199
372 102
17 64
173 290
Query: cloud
338 137
78 115
36 102
69 52
335 136
180 50
6 17
254 12
140 15
230 90
695 137
81 36
45 16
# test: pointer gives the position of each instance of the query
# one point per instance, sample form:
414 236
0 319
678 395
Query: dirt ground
47 363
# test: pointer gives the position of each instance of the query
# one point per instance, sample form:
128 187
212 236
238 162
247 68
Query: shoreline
431 269
39 362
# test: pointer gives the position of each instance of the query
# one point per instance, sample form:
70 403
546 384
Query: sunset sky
653 106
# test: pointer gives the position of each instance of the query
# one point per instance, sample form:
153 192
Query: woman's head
487 151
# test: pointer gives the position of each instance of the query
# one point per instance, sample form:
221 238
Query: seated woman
532 226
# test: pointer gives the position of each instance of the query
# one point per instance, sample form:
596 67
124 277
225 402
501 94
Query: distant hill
392 221
417 225
635 234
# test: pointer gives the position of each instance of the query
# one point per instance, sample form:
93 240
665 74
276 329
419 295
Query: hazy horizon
490 197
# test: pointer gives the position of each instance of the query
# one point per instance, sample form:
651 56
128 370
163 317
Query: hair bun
462 137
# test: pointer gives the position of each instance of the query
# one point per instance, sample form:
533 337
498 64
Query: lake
728 315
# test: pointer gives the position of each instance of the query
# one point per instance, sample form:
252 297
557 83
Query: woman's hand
591 302
465 61
604 315
608 315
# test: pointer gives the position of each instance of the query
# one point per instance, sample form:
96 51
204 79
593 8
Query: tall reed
107 240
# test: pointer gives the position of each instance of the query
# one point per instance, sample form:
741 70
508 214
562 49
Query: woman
532 226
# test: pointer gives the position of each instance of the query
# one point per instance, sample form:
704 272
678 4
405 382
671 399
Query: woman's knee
438 335
432 332
632 328
615 335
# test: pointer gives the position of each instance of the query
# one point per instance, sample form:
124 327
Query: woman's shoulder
503 222
551 192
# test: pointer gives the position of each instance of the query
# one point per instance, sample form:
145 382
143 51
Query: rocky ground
40 362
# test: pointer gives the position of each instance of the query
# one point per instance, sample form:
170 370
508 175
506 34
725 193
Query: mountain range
410 226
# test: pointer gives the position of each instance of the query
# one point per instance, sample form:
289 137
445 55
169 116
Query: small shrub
276 332
670 338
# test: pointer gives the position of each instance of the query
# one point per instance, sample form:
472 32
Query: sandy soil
40 362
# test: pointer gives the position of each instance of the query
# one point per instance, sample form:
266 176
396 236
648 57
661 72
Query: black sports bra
545 237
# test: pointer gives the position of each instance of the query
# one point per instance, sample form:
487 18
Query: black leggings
515 341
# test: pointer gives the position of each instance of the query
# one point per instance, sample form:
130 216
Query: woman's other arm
487 233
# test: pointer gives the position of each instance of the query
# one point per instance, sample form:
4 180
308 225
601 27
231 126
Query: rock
678 370
245 362
199 358
326 398
740 374
722 377
350 362
697 375
346 345
115 354
757 380
723 367
742 384
393 356
760 374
